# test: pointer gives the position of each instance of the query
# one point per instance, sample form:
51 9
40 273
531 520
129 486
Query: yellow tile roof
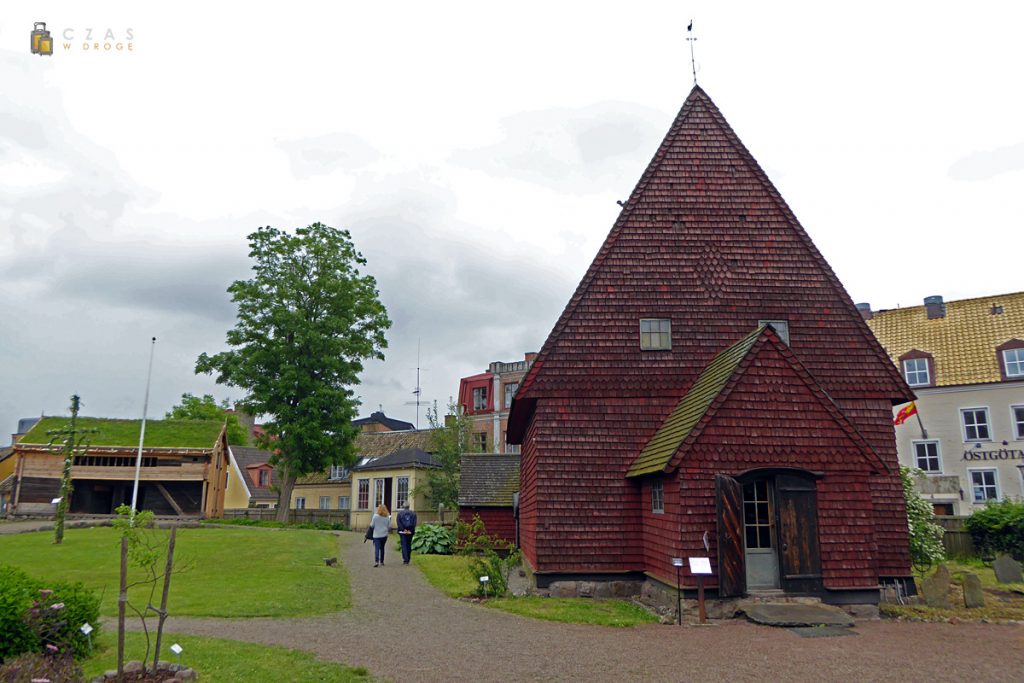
963 343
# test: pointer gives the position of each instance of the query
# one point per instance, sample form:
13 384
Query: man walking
406 529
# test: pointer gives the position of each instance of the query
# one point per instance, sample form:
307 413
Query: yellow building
252 481
392 481
7 462
965 361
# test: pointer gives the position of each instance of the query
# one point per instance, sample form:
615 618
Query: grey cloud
582 150
327 153
989 163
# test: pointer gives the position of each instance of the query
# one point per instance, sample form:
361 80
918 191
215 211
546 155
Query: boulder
1007 570
974 596
935 589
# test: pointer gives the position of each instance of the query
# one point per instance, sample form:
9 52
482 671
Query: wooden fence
957 540
294 516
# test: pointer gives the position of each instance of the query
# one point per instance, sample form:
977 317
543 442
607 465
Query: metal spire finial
691 39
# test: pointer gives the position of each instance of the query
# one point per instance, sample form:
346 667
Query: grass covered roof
125 433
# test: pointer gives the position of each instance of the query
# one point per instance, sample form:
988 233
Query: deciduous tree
307 319
207 408
448 442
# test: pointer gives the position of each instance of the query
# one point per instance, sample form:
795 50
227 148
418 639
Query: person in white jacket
380 523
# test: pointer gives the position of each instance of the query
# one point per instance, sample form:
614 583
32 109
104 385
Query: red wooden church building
710 374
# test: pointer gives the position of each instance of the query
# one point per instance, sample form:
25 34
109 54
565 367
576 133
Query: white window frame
344 502
325 503
512 449
260 483
378 492
938 454
963 424
652 339
995 482
917 362
480 445
359 493
514 386
300 502
1018 362
658 497
480 398
1018 423
781 328
338 472
399 499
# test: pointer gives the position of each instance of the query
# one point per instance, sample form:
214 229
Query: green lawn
228 572
1003 601
450 574
226 661
125 433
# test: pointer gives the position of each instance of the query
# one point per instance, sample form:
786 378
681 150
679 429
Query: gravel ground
402 629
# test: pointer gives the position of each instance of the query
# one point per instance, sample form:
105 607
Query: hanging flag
905 413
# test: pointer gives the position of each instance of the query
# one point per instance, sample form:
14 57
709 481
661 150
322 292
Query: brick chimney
865 311
934 307
530 356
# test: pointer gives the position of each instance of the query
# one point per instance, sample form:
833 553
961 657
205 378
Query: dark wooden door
732 579
800 559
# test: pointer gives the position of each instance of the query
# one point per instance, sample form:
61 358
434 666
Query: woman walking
380 523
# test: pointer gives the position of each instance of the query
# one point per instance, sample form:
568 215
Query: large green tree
307 320
207 408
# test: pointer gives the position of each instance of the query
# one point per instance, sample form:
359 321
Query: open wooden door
798 533
732 580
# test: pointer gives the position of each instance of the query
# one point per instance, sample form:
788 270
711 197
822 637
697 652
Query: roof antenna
691 39
418 390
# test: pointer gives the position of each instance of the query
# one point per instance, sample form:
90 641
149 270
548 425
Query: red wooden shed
710 375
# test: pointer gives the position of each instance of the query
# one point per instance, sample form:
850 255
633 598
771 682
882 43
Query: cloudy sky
476 152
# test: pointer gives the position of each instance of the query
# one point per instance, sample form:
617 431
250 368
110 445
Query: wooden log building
183 472
711 379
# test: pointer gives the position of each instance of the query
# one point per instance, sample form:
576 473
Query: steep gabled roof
962 342
706 240
698 406
377 417
249 460
488 479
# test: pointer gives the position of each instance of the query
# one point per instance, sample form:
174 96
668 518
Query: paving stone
794 614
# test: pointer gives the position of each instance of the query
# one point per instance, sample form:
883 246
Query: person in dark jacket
406 529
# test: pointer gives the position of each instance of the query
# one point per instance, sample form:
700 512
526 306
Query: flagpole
924 432
142 431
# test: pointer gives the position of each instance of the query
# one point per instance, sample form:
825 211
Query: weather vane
690 38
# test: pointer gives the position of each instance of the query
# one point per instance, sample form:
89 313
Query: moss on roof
691 408
125 433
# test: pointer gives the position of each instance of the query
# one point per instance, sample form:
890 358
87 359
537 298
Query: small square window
338 472
975 424
781 328
1013 362
325 502
658 497
926 456
343 503
480 442
300 503
915 370
655 334
984 485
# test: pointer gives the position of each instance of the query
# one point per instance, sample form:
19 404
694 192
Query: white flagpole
142 432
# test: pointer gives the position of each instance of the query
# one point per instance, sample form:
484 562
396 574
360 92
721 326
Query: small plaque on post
700 566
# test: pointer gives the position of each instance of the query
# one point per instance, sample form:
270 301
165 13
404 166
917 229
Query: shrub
433 539
998 528
496 568
34 614
925 535
472 538
36 666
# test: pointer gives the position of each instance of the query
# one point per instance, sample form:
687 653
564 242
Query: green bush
497 569
34 666
998 528
433 539
472 538
34 613
925 535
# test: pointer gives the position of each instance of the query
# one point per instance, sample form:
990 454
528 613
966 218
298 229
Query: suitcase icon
42 41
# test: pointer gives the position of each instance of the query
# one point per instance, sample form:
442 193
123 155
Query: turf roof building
965 361
183 472
711 379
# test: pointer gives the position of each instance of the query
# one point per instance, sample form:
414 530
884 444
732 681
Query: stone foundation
175 673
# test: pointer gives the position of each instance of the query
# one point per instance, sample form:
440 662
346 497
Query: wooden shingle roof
707 241
488 480
697 406
962 343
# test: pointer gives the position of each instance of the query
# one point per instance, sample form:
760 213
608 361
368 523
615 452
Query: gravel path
402 629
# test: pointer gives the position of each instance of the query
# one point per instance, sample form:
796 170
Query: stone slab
823 631
974 596
792 614
935 589
1007 570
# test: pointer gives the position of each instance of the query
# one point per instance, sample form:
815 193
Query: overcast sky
476 152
